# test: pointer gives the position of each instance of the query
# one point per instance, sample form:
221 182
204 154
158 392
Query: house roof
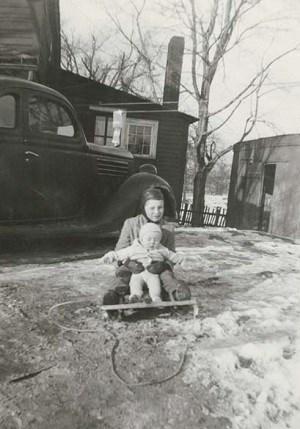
86 90
262 142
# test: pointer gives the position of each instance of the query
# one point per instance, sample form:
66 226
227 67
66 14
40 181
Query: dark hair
151 194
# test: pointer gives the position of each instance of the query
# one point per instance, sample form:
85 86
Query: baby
146 249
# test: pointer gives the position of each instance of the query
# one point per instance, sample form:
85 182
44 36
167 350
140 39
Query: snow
211 200
249 353
243 349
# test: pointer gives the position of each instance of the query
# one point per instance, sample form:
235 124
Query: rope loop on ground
114 348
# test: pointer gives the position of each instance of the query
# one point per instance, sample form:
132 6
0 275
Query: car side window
49 117
7 111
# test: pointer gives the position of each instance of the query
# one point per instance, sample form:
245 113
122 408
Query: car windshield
7 111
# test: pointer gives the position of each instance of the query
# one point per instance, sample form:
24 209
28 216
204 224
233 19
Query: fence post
185 209
218 212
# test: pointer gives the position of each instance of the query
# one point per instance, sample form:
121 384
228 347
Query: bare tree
133 67
70 52
137 68
146 49
218 177
211 40
89 58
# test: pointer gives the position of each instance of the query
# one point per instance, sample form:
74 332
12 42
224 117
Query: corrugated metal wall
246 205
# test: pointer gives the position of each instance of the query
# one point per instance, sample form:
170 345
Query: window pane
147 131
65 127
35 114
100 125
7 111
139 139
99 140
131 139
47 116
104 128
146 150
109 141
132 129
147 140
110 127
134 148
52 113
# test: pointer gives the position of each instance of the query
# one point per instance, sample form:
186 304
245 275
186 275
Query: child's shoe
147 299
134 299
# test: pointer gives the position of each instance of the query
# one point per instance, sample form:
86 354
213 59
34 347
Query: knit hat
149 227
149 194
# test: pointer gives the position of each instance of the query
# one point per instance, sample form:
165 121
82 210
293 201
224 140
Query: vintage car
52 181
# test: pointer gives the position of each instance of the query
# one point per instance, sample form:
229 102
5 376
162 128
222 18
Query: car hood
108 150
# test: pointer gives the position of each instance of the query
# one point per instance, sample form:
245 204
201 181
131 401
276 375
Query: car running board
140 305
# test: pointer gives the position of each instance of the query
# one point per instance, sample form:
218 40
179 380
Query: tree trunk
198 197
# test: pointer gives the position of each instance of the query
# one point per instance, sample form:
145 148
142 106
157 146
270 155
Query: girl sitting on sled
152 212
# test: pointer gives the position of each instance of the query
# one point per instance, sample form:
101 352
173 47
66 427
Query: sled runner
143 305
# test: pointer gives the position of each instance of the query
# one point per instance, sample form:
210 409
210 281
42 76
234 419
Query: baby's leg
136 286
153 283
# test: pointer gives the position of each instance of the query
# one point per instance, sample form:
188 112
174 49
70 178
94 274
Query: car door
56 156
16 202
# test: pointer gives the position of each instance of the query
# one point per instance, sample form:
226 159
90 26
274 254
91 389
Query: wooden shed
264 191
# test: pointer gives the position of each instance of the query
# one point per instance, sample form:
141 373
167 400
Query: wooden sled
140 305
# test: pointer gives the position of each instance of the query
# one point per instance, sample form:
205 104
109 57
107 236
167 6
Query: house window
103 130
141 137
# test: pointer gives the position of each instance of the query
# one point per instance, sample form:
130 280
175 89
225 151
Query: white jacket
138 253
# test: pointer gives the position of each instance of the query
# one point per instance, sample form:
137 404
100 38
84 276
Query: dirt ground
56 378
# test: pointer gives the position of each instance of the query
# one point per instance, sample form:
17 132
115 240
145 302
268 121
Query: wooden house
153 133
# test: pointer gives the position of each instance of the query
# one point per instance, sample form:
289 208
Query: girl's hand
157 267
171 296
133 266
108 258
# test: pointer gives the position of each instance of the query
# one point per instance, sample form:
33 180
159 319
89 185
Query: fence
210 217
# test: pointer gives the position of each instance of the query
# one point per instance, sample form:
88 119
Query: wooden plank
140 305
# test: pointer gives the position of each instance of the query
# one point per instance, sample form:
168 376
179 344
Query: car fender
125 202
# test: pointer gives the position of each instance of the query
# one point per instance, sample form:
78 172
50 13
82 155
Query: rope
114 349
66 328
144 383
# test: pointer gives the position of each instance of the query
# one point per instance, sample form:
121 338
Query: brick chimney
173 72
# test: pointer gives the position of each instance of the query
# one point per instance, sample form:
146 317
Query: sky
279 111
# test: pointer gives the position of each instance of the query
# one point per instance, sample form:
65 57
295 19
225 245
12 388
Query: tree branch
253 80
